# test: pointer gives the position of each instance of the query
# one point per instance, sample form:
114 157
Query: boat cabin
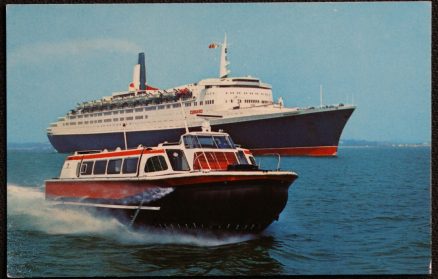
195 152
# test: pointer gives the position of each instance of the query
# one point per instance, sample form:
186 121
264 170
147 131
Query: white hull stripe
113 206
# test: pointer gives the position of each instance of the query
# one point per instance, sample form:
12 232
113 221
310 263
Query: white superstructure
154 109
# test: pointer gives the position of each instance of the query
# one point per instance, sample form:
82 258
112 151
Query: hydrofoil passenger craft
243 106
204 181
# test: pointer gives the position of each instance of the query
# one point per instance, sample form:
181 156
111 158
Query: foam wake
27 209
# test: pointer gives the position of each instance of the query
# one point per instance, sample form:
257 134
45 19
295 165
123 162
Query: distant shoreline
386 146
345 144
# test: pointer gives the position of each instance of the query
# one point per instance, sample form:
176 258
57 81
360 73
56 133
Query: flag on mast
213 45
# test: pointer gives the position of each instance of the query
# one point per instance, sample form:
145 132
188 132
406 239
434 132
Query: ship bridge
248 81
232 92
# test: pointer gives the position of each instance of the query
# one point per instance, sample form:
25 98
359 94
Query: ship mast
223 70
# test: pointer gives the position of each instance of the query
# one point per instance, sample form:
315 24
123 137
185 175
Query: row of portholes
103 124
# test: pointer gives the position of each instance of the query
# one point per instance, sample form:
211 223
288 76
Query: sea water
366 211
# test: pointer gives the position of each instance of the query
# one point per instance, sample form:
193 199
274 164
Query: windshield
221 142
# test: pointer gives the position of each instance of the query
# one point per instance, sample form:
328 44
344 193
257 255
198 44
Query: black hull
232 206
315 133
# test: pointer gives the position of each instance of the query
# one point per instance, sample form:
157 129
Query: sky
376 55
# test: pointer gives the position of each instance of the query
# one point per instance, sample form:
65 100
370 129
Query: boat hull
302 134
230 203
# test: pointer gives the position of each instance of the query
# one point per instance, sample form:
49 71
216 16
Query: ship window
176 105
130 165
155 163
122 118
107 120
107 113
116 112
86 167
200 103
129 110
99 114
138 109
72 117
160 107
115 119
241 157
168 106
114 166
129 118
99 121
80 116
177 160
99 167
73 123
139 117
87 115
80 123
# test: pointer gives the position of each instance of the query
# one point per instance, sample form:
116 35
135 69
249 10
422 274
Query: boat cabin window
253 161
86 167
114 166
177 160
241 157
191 142
130 165
155 163
223 142
100 167
208 142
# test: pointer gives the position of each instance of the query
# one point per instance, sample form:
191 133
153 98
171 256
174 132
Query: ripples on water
365 212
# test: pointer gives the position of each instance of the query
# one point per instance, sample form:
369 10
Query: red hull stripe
317 151
123 189
114 154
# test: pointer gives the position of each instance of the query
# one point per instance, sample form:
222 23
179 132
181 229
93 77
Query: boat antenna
320 95
223 67
124 136
184 116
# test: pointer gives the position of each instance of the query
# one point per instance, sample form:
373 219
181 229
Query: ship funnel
139 75
141 62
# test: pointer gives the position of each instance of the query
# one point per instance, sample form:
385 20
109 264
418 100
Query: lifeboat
204 181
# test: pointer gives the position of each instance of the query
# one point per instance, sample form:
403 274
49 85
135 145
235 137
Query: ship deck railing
130 103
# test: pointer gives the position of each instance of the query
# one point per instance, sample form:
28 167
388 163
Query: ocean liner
241 106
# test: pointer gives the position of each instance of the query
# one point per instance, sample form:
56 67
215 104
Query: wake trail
27 209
